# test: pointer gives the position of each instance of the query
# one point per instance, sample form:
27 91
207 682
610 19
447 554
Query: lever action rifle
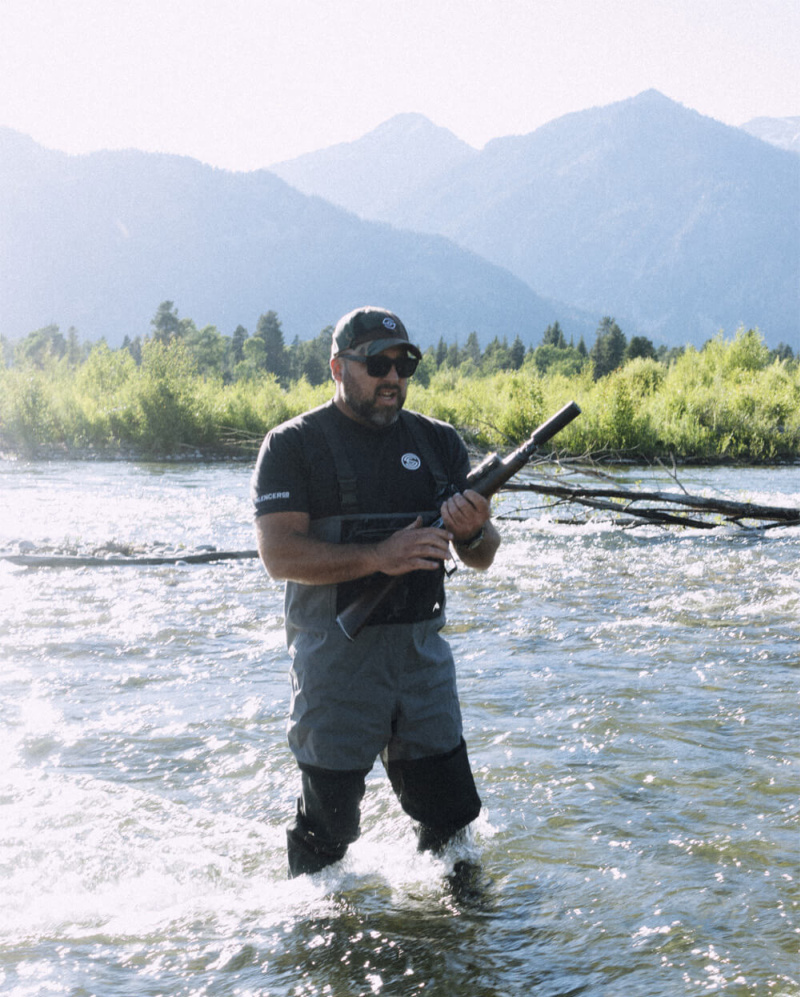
486 479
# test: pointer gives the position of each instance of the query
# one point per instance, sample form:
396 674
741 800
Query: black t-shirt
296 472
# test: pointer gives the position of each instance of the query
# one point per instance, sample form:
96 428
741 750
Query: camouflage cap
376 327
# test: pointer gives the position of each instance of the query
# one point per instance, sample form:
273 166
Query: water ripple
630 704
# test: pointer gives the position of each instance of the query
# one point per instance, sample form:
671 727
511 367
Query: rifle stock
486 479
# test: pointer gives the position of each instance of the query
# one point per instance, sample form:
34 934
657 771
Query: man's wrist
473 542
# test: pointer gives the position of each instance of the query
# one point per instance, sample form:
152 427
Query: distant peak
651 100
401 132
411 123
407 119
652 95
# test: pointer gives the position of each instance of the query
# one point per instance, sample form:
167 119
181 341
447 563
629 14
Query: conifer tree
554 336
453 355
274 357
237 344
472 349
517 353
609 348
166 324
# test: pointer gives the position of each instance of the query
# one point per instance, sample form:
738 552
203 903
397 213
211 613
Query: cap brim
379 345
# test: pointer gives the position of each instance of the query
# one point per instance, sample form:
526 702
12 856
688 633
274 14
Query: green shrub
730 400
26 410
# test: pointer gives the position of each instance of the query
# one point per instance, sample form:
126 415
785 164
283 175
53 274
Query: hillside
671 221
98 241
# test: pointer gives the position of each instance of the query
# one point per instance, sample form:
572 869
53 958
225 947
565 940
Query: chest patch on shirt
411 462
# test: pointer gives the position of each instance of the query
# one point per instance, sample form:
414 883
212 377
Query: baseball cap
376 327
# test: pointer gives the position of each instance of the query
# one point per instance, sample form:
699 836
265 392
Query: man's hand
414 548
465 514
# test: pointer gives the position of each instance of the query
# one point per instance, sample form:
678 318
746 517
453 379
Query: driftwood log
53 560
632 506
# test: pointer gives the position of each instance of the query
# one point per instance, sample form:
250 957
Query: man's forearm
311 561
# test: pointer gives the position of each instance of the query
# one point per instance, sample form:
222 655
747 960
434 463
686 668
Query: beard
380 406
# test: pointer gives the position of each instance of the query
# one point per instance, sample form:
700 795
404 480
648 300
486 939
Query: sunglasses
380 364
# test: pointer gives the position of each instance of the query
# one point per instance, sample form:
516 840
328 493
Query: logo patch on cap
411 462
389 323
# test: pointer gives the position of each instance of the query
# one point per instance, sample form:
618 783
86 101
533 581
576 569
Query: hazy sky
245 83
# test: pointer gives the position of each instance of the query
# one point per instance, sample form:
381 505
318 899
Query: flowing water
630 701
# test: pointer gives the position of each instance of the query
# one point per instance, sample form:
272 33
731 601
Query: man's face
375 401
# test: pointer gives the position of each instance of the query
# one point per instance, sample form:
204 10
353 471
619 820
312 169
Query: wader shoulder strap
348 483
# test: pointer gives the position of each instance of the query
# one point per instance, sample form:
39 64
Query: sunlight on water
630 704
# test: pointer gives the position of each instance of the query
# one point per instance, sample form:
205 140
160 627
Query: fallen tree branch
627 501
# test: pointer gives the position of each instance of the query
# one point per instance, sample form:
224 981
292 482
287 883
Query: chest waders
391 693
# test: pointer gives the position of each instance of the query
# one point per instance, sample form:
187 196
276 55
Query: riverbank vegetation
183 390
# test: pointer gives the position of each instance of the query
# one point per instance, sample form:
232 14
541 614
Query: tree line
181 389
242 356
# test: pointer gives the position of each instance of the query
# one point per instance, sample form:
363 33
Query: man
341 496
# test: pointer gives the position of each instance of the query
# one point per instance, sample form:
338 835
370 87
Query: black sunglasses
380 364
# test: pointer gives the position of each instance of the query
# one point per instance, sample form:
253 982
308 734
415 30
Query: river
630 701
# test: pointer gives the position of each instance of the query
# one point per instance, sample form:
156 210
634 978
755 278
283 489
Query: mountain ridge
675 224
98 241
642 209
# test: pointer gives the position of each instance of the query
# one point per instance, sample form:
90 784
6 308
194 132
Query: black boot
307 854
327 820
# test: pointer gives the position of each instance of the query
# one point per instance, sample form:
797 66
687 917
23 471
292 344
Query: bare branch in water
635 505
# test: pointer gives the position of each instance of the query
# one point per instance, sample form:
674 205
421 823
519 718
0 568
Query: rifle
486 479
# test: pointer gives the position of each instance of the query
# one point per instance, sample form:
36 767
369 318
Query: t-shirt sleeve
280 478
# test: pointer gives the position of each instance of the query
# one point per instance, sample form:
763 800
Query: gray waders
390 693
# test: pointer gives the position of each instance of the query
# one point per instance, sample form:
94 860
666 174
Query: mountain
99 241
672 222
374 175
783 132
